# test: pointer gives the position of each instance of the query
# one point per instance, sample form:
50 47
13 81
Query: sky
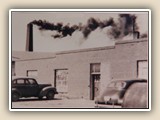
45 42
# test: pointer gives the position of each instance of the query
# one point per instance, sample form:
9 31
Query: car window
14 82
117 85
32 82
120 84
20 81
27 82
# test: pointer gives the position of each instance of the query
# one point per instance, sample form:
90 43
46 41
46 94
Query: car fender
136 96
16 90
45 90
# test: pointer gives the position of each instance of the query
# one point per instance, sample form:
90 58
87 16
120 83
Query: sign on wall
143 69
61 80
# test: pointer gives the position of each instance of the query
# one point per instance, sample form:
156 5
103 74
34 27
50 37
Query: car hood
109 92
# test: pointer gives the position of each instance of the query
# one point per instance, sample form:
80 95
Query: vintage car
136 96
28 87
115 91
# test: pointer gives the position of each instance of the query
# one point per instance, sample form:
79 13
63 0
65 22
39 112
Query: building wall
119 61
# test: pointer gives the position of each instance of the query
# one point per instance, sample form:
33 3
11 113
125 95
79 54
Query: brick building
84 73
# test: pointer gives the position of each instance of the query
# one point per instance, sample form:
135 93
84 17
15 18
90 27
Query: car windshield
117 84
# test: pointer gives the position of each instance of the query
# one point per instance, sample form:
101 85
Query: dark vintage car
28 87
115 91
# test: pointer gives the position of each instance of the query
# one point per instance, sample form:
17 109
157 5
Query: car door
32 87
21 87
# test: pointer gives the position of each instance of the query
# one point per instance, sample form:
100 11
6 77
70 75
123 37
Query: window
32 82
95 68
33 73
117 85
142 68
20 81
14 82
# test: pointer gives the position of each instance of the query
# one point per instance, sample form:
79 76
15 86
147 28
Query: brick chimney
29 38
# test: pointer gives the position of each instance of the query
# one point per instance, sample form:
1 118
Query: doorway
95 85
94 80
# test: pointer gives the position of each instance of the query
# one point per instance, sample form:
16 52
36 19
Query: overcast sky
44 42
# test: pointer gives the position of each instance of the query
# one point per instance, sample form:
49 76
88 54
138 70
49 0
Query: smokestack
29 39
136 33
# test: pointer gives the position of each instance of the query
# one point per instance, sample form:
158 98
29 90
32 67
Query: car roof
15 77
128 79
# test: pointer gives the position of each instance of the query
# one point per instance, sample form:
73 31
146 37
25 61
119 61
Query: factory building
84 73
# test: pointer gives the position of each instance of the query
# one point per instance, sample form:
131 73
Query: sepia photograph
80 60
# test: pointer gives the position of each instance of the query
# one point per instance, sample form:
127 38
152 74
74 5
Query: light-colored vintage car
115 91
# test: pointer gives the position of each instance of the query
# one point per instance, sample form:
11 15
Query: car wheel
40 97
50 95
15 96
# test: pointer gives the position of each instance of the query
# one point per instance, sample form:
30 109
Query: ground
56 103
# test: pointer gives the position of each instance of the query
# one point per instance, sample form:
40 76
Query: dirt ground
56 103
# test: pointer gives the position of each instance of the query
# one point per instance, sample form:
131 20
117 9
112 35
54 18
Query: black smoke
63 30
93 24
126 25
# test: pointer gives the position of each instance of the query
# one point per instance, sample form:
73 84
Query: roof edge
86 50
131 41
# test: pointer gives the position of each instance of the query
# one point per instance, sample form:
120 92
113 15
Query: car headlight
111 99
107 98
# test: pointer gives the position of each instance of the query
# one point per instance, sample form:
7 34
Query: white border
10 60
78 10
150 77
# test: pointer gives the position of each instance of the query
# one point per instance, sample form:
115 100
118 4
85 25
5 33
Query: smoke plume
63 30
93 24
126 25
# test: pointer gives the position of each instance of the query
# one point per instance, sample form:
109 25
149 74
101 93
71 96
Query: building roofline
82 50
131 41
40 58
15 57
85 50
103 48
25 55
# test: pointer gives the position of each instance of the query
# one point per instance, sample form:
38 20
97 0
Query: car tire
15 96
40 98
50 95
